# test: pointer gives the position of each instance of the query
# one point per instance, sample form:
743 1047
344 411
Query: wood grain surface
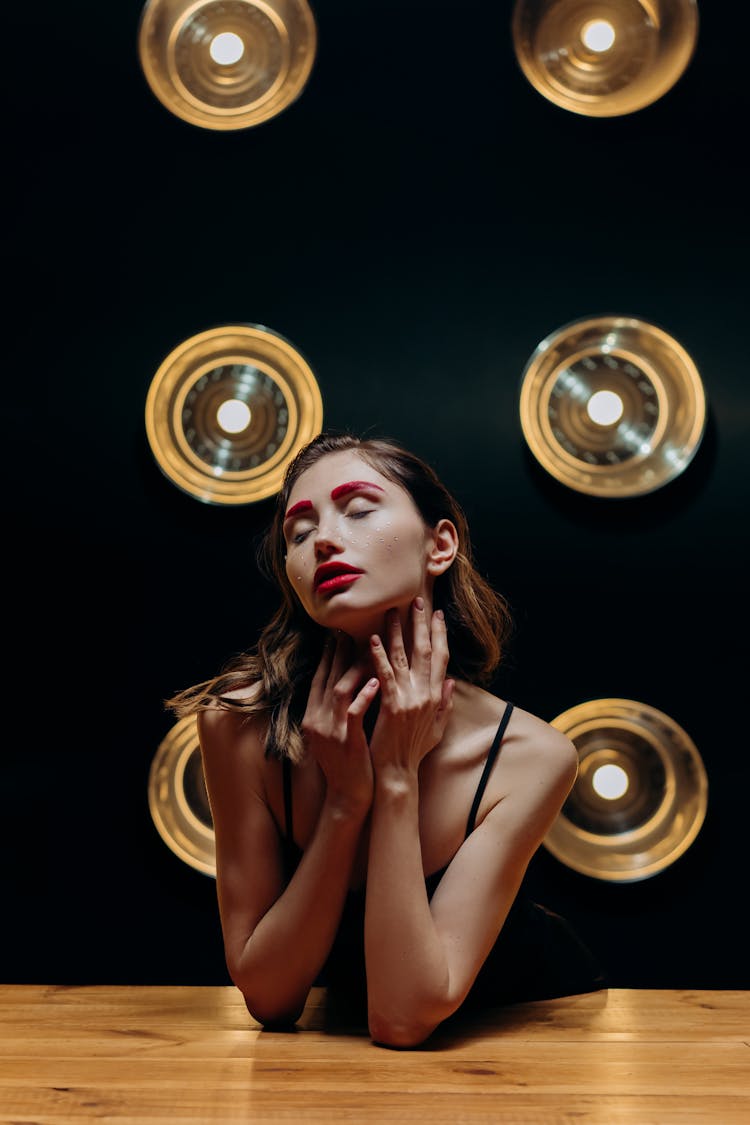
193 1056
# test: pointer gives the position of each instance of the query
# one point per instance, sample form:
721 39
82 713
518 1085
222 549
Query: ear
443 547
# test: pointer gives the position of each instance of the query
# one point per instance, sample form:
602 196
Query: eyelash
358 515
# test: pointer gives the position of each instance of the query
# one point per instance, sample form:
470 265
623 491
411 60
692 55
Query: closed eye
360 514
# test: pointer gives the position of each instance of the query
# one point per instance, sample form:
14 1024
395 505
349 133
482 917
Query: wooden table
193 1055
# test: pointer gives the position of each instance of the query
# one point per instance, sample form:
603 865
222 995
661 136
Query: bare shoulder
226 731
537 768
529 744
538 745
539 765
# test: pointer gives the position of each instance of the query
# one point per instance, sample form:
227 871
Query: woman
375 807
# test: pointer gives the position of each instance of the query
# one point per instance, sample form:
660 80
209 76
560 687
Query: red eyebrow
300 506
354 486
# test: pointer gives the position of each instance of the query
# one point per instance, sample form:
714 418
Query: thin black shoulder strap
491 756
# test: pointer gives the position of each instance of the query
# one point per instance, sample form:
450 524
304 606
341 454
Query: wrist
396 782
347 807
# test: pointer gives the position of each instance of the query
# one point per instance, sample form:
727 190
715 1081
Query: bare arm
277 938
422 957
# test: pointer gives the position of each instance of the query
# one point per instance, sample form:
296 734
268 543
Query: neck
377 626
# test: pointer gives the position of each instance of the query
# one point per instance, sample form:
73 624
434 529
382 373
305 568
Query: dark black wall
415 223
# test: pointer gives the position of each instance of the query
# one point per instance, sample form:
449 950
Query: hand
332 726
415 699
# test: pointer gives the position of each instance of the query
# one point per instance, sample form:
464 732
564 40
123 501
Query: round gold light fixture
177 798
612 406
604 58
640 797
227 411
227 64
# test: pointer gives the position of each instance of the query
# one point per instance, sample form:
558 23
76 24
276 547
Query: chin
360 621
356 623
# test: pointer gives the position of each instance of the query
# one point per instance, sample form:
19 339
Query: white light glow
226 48
598 35
610 782
233 416
604 408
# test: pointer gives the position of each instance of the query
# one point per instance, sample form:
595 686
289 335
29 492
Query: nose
327 539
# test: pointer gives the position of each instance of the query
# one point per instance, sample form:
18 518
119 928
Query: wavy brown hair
289 648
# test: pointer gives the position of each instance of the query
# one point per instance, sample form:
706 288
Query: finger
344 690
440 653
446 698
383 669
396 650
342 652
421 652
362 700
322 672
349 680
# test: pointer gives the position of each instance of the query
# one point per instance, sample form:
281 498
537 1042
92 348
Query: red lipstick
335 575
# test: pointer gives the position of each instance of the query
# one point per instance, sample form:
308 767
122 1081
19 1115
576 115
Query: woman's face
356 545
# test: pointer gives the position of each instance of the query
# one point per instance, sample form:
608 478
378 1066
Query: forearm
407 969
281 959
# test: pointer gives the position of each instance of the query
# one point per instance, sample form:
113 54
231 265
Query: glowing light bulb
610 782
233 416
598 35
604 408
226 48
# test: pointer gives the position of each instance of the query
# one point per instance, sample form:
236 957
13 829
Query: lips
334 575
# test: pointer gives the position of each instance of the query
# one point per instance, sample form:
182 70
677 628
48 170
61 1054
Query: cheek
375 539
297 569
390 541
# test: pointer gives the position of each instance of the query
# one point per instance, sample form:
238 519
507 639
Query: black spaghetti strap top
491 756
536 956
292 852
432 880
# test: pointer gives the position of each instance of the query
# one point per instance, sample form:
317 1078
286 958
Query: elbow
273 1017
403 1035
411 1022
269 1011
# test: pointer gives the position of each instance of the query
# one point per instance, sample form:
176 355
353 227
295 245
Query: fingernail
440 615
419 603
375 642
373 683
